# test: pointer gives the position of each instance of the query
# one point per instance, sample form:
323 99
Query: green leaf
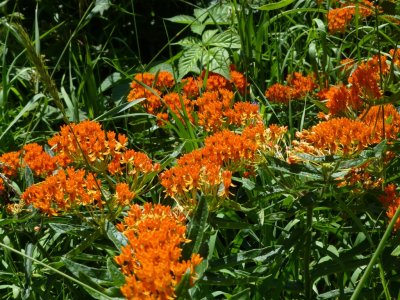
110 81
219 62
197 228
100 7
115 274
257 255
189 41
31 103
97 275
248 184
118 110
207 35
227 39
197 28
181 19
396 251
190 61
115 236
183 287
28 176
277 5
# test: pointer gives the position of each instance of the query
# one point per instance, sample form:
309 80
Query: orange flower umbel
364 88
211 106
340 18
298 86
133 168
86 141
155 87
64 191
365 79
395 54
151 261
10 163
339 136
391 201
209 170
384 121
40 162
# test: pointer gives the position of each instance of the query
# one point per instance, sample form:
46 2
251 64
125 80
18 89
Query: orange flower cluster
134 169
217 97
395 54
298 86
151 261
179 105
343 136
365 79
66 190
364 87
86 141
123 194
10 163
40 162
339 136
340 18
391 201
209 170
32 156
384 121
147 85
361 179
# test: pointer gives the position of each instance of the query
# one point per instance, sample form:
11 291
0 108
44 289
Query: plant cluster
260 161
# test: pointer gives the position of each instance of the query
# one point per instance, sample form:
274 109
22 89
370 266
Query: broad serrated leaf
218 61
182 19
227 39
190 60
208 34
197 28
189 41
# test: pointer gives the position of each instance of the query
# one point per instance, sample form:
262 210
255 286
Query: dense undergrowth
253 155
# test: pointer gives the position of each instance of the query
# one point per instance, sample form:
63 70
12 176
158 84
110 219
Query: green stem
307 254
376 255
56 271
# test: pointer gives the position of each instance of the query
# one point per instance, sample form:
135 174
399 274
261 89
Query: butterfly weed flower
395 54
133 168
191 86
365 79
40 162
391 201
86 141
383 120
66 190
340 18
297 87
338 136
152 259
10 163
